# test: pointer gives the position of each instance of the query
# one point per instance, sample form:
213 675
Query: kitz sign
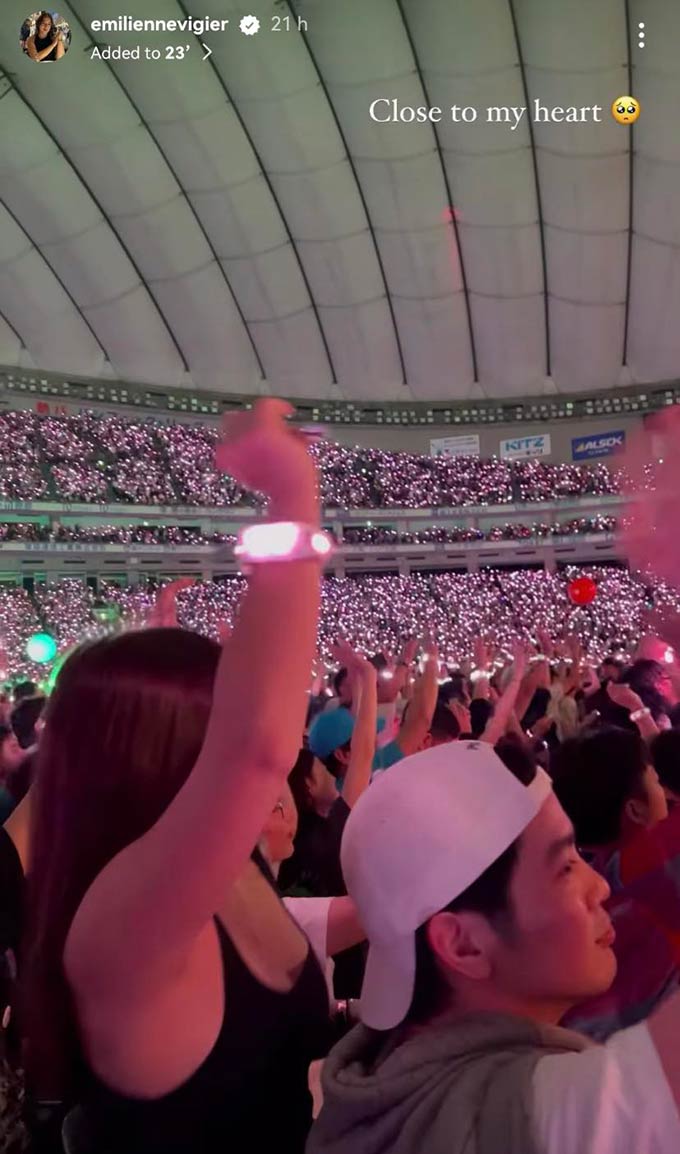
519 448
598 445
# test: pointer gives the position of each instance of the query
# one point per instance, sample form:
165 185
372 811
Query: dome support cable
187 199
104 215
65 289
537 185
362 195
272 192
450 208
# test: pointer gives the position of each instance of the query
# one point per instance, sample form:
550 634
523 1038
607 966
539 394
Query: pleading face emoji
626 109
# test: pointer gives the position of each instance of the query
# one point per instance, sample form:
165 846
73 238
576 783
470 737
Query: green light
41 648
105 613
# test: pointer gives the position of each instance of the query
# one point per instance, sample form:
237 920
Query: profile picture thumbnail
45 37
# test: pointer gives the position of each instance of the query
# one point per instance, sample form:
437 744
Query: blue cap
332 729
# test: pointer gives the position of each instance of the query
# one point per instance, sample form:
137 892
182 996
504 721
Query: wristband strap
281 541
639 713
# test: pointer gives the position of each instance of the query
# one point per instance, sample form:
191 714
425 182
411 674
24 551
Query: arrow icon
208 51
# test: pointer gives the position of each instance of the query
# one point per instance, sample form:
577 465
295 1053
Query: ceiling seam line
105 217
362 195
275 198
448 189
537 186
12 329
183 194
58 279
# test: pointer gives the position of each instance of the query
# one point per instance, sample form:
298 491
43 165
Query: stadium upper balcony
93 460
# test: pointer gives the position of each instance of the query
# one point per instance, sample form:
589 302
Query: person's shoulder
617 1091
389 755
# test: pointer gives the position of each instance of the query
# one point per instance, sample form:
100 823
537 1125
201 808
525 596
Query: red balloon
582 590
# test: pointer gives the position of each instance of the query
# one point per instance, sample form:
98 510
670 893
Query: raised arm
163 614
624 696
162 890
53 46
365 699
344 927
421 710
504 709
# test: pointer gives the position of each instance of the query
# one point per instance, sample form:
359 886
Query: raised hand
480 654
344 654
545 643
164 612
520 658
624 696
408 653
261 451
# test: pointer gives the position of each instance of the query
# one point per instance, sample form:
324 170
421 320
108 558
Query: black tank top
251 1092
41 43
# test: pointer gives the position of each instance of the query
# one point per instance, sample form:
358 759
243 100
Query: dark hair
665 751
378 661
643 677
444 726
335 767
298 778
480 713
489 895
24 718
594 775
125 726
38 22
338 680
24 689
453 688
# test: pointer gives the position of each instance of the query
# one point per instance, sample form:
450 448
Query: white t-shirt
613 1099
311 914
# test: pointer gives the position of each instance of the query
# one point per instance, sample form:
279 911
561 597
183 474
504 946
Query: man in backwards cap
485 926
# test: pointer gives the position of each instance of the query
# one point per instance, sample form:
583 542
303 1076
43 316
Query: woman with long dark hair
46 44
167 990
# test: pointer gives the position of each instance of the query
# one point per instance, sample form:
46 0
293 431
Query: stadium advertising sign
598 445
520 448
463 446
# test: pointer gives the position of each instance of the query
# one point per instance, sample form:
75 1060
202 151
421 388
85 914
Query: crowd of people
100 459
458 534
164 534
362 866
371 611
139 534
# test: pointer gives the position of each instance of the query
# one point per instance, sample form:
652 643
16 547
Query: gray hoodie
462 1088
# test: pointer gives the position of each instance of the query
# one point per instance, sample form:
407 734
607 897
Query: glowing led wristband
638 714
281 541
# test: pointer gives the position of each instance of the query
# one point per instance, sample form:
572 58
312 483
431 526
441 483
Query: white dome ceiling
242 225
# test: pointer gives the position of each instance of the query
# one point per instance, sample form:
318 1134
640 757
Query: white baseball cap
418 837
